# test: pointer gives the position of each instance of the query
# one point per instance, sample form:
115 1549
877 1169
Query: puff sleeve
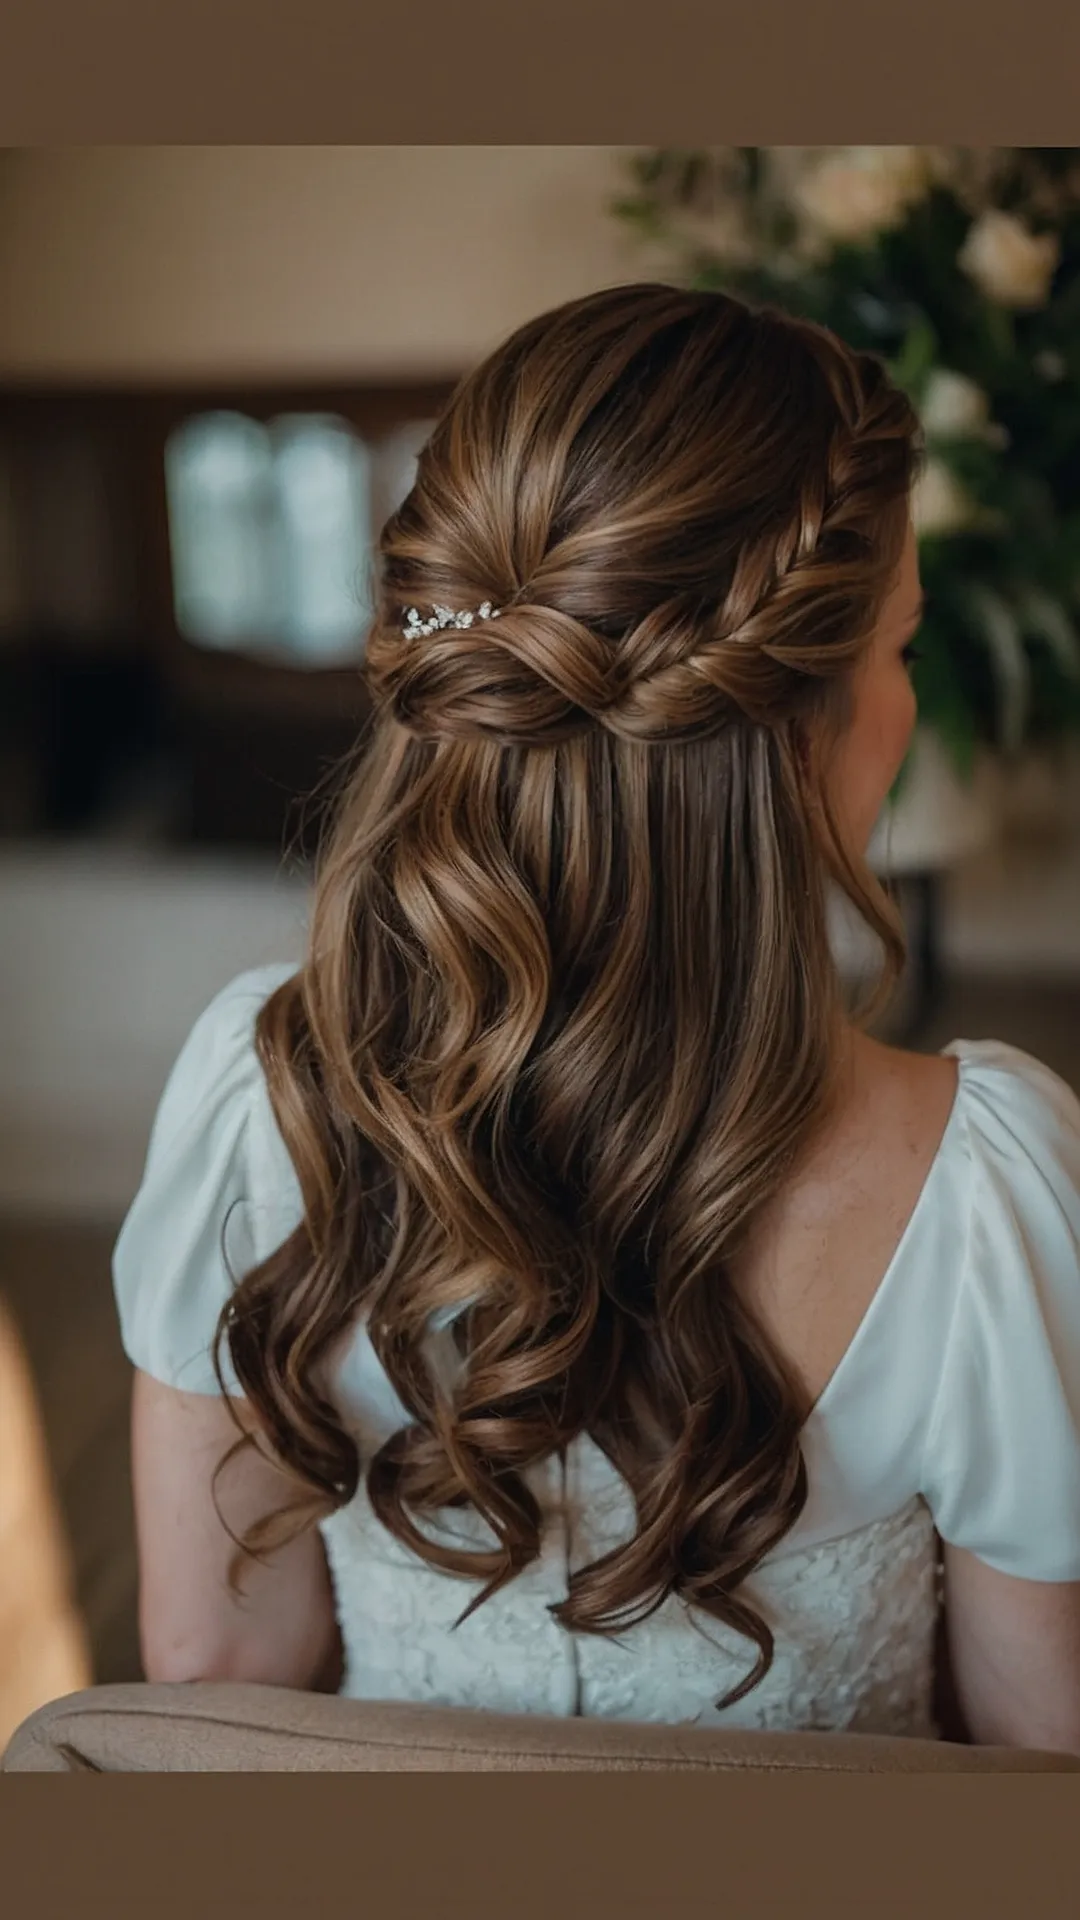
1002 1463
218 1194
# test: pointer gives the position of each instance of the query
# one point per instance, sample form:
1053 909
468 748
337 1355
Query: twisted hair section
669 612
567 1016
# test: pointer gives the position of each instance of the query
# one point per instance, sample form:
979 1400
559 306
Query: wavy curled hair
568 1013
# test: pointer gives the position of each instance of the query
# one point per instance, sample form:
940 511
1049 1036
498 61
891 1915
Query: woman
613 1327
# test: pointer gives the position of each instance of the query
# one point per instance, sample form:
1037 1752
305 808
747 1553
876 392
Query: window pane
323 493
219 483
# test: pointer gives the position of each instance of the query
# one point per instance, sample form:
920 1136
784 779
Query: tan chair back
225 1728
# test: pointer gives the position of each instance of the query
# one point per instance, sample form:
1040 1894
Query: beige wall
148 262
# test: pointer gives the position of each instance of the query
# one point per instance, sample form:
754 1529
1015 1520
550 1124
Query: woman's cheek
895 722
908 713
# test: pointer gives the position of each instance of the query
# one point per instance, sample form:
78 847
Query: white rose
860 191
954 408
1008 262
940 505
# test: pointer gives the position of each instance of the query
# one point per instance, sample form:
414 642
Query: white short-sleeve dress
954 1412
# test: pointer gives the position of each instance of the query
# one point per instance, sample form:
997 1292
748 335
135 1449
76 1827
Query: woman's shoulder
226 1022
1021 1121
1006 1173
990 1098
1021 1137
995 1232
1003 1454
217 1194
1004 1078
215 1090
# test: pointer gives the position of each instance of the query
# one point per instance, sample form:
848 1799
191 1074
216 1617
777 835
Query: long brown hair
569 1009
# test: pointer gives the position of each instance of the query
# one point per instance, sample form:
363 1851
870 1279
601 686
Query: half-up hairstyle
569 1010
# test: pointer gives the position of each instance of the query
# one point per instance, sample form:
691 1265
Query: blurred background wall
181 262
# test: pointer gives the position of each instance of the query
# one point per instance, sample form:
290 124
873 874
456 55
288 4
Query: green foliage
1000 646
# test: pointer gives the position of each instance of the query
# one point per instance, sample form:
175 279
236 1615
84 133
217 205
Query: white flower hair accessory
416 629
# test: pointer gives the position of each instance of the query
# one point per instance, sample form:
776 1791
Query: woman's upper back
960 1377
823 1243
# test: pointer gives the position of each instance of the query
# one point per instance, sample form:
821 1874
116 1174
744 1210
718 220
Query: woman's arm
1014 1655
281 1627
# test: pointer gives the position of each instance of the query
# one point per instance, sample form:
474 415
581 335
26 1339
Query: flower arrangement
960 267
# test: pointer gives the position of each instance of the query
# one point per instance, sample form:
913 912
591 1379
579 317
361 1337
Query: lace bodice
853 1618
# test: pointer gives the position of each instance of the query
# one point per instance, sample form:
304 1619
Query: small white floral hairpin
417 629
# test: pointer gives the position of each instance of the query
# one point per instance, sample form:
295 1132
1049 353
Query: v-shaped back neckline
878 1303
